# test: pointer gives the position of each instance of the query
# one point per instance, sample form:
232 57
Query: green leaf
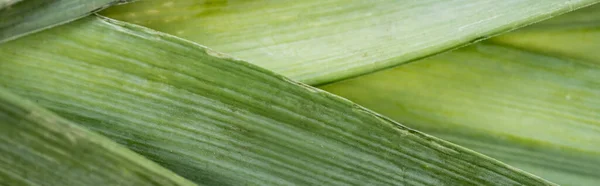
39 148
582 18
18 18
535 112
575 35
7 3
217 120
316 41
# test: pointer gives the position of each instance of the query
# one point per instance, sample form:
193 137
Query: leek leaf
18 18
574 35
316 41
39 148
217 120
535 112
567 155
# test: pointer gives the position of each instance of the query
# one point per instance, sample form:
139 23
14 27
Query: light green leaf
535 112
216 120
317 41
575 35
582 18
39 148
18 18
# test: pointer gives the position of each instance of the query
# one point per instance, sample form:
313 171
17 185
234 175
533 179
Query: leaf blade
18 18
574 35
40 148
532 111
216 120
316 42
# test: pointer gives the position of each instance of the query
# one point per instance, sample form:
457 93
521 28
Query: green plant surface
18 18
221 121
7 3
320 41
582 18
575 35
533 111
39 148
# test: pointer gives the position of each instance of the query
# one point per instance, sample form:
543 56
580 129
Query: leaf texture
574 35
220 121
39 148
316 41
535 112
18 17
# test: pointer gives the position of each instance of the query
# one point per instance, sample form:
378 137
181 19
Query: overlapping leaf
40 148
536 112
216 120
316 41
18 18
534 106
575 35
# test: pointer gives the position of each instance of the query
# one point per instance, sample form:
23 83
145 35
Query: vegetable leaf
574 35
316 41
39 148
536 112
217 120
18 18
